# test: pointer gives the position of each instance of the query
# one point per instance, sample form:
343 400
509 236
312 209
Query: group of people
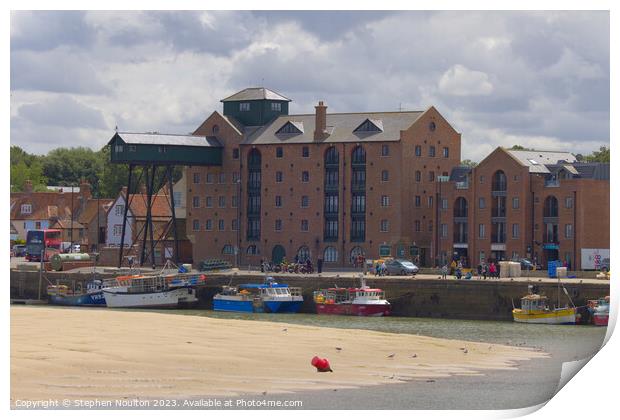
298 266
483 270
380 269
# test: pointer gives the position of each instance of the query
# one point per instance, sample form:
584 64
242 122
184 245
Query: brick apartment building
333 185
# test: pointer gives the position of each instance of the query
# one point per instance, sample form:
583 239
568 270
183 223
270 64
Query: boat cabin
369 294
534 303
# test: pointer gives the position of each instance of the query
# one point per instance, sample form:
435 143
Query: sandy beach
104 354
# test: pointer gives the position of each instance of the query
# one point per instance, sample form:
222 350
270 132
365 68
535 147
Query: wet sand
105 354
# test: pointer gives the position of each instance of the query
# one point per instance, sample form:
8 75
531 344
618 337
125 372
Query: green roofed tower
255 106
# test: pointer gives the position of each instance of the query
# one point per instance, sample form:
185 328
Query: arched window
254 158
358 156
330 254
418 176
499 181
303 253
331 156
252 250
460 207
551 207
228 249
355 252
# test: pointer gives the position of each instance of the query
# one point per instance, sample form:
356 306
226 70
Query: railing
358 186
462 185
552 183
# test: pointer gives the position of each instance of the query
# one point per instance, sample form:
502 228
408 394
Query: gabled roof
291 127
460 173
370 125
45 205
256 94
137 205
340 127
90 209
537 160
66 224
166 139
586 170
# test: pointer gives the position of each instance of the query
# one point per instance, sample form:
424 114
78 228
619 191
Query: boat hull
166 299
600 320
234 305
88 299
561 316
353 309
286 307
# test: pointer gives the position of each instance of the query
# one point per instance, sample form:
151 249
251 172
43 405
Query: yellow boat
535 310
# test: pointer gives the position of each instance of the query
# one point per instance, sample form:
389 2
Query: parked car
402 267
19 250
528 265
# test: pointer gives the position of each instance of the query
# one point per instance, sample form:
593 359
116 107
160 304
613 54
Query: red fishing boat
362 301
600 311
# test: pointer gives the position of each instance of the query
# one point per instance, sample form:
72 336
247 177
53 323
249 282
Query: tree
469 163
67 167
519 147
602 155
25 167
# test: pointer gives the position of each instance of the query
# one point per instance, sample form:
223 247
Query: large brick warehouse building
333 185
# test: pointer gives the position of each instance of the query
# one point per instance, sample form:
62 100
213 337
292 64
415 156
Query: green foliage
67 167
469 163
602 155
26 167
519 147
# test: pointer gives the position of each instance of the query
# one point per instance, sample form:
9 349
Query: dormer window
276 106
26 208
291 127
244 106
370 126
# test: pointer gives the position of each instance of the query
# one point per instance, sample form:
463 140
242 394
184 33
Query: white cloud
461 81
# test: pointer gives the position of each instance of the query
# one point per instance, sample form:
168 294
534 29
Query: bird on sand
391 356
285 329
414 355
338 348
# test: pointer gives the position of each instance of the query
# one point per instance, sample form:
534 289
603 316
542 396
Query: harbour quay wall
456 299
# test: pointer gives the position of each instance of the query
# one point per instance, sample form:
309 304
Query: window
331 229
118 210
244 106
418 176
385 176
431 176
304 225
278 225
418 150
276 106
235 225
234 202
222 178
385 201
481 231
278 176
209 201
118 148
417 226
551 207
330 254
305 151
221 224
279 152
430 201
252 250
117 230
209 178
196 178
196 201
331 203
162 149
221 202
444 230
515 231
499 181
305 201
568 231
215 129
431 151
385 225
568 202
358 203
228 249
430 225
235 153
515 202
278 201
483 257
515 256
132 148
209 224
446 152
27 209
444 203
196 224
481 203
305 176
177 199
417 201
482 179
385 150
235 177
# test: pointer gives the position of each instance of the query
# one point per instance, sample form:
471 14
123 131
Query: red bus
39 239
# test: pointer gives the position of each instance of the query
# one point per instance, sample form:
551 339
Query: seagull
338 348
188 342
285 329
465 351
391 356
430 380
414 355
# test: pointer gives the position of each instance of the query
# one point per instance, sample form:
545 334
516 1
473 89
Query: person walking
492 269
479 270
383 269
444 272
485 270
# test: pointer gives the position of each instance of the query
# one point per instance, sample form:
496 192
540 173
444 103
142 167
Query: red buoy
321 365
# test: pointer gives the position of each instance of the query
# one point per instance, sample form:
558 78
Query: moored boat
600 312
362 301
535 310
62 295
261 297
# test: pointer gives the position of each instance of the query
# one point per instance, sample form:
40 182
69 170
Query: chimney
28 186
320 123
85 191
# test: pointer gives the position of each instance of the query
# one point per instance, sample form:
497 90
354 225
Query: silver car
401 267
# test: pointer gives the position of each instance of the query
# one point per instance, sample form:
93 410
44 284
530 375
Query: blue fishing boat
62 295
266 297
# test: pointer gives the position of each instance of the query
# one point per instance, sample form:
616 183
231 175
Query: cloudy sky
539 79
